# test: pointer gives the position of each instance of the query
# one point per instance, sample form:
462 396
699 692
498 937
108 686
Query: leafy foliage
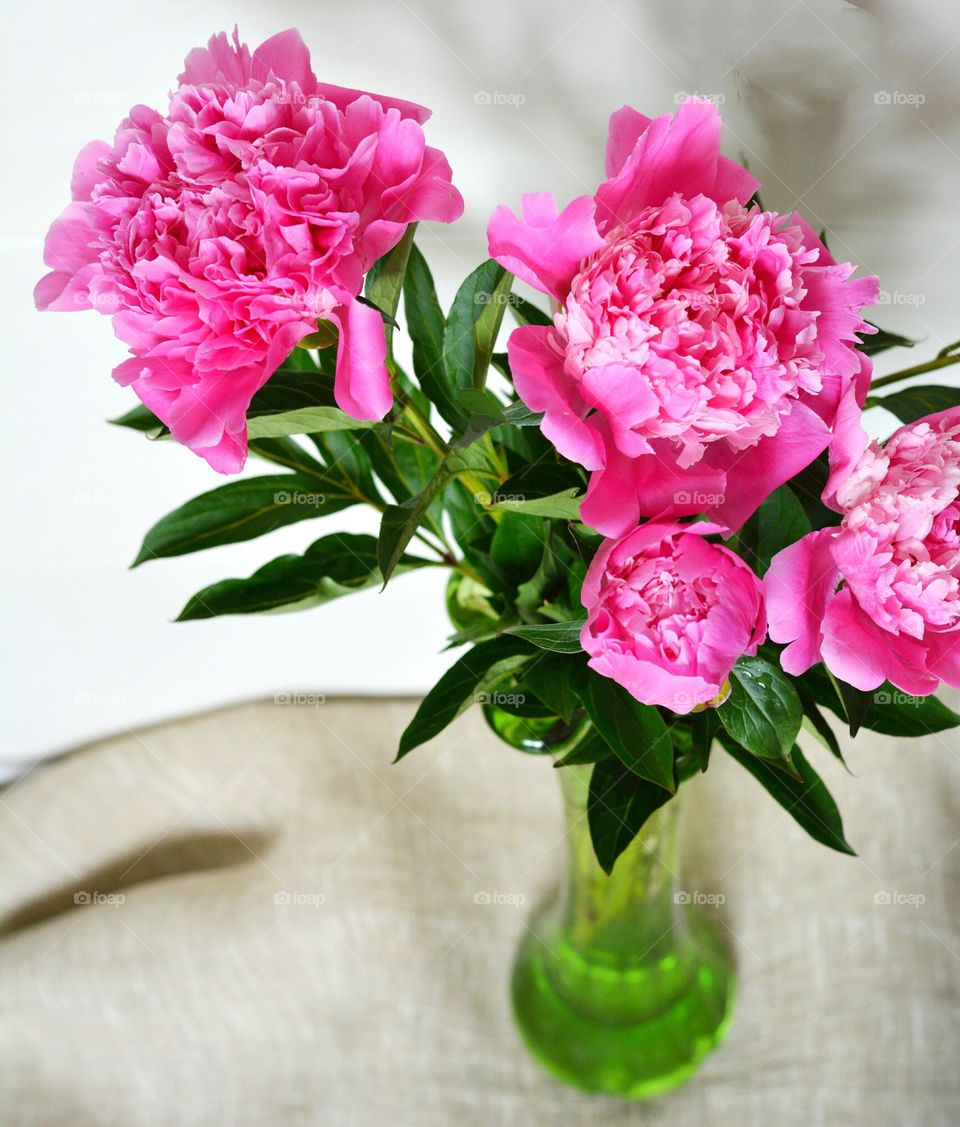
462 478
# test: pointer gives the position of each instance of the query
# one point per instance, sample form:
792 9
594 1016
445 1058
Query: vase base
634 1034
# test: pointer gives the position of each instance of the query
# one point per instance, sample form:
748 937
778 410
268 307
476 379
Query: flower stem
943 360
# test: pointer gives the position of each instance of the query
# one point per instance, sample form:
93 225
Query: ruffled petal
674 153
543 248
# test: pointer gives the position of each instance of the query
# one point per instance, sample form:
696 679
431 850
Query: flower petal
799 584
362 384
543 386
543 248
675 153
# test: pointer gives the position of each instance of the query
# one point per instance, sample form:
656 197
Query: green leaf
484 412
590 748
782 521
331 567
543 490
141 418
635 732
385 280
400 522
914 403
559 506
287 453
803 795
518 545
425 323
895 713
703 731
478 671
816 723
763 711
519 415
292 389
242 510
559 637
473 324
527 313
887 710
306 420
618 805
872 343
808 485
550 678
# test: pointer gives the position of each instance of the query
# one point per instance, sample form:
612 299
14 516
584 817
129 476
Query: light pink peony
669 613
218 234
702 351
879 597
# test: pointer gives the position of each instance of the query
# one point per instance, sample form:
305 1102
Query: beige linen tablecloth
252 918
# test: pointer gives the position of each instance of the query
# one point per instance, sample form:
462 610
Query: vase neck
632 913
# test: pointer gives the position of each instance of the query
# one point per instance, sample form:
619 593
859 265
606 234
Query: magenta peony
218 234
703 350
878 599
669 613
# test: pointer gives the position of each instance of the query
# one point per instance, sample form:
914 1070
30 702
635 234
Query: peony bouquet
666 528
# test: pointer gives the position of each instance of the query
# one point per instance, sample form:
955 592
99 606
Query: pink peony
217 235
878 599
702 351
669 613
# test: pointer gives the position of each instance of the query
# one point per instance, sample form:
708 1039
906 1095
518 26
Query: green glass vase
621 985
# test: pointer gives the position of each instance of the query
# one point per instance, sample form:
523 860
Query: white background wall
89 645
